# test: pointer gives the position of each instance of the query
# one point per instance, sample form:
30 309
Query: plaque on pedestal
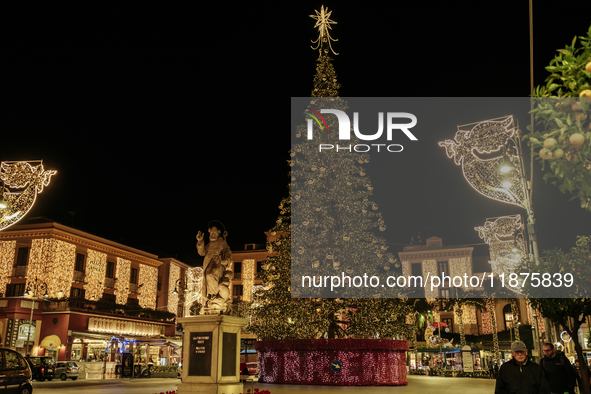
211 346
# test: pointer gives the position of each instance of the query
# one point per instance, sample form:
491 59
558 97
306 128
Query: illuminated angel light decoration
323 23
147 292
248 268
22 181
505 239
51 261
194 280
122 283
7 253
174 274
96 269
481 151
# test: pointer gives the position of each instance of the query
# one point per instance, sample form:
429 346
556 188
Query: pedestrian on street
521 375
559 372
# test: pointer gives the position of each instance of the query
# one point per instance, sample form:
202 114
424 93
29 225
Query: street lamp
177 283
500 178
32 290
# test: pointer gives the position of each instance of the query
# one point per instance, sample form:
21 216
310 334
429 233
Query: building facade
78 296
436 260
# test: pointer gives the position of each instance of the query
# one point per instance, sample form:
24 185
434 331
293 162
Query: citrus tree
562 115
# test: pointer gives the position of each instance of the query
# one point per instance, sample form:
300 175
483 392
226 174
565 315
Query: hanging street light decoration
505 239
21 182
491 158
489 153
492 162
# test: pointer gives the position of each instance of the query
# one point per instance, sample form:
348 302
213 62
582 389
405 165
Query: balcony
109 283
20 271
79 276
133 287
237 275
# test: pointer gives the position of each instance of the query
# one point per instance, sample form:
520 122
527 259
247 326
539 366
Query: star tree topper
323 23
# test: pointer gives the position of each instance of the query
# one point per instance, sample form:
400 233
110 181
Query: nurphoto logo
345 129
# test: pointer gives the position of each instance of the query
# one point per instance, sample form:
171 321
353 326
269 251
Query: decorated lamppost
33 289
499 176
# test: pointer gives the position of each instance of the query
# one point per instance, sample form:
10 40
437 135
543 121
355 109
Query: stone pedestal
211 355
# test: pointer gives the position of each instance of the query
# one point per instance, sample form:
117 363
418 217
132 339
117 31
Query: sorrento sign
123 327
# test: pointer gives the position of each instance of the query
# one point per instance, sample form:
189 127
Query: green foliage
559 114
574 306
568 76
573 298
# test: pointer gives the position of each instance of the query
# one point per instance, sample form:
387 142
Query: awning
51 341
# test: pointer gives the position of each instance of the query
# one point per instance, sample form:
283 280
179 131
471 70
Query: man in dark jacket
520 375
558 370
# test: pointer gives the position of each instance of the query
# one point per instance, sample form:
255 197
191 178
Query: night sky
160 117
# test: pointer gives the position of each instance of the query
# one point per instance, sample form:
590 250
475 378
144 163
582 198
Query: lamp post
499 178
534 254
32 290
177 283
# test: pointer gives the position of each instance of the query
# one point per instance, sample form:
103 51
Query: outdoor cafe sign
123 327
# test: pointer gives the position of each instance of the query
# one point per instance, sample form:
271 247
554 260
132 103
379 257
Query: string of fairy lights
248 270
52 261
147 292
96 268
7 253
122 284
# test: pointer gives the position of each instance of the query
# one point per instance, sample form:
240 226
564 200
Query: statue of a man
217 266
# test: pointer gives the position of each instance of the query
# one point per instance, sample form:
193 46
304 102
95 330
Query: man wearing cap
520 375
559 372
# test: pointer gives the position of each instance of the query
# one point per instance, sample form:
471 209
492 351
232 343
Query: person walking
558 370
521 375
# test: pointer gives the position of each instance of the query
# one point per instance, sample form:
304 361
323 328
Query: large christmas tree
330 228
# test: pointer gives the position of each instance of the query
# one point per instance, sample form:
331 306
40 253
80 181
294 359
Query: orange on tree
576 140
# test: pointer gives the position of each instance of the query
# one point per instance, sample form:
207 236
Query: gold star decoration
323 23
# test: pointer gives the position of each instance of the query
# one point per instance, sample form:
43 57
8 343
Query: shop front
422 361
77 336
